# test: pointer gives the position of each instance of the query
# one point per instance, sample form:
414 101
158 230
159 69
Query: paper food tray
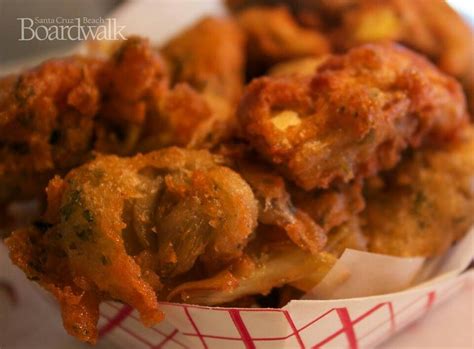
341 323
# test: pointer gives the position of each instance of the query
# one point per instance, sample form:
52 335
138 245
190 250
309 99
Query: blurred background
16 53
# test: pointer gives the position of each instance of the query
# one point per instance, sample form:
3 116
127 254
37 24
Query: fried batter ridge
353 117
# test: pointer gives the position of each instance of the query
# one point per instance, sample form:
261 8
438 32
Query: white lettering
23 28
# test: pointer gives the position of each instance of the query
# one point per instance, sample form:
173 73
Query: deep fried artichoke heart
119 228
353 117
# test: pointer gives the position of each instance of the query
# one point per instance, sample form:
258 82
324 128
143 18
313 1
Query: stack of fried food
233 165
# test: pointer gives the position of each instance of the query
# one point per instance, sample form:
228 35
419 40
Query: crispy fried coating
53 116
432 28
43 261
183 118
426 204
353 117
274 202
274 36
46 123
332 207
134 78
124 228
210 58
276 208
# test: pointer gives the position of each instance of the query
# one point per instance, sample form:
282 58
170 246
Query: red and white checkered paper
353 323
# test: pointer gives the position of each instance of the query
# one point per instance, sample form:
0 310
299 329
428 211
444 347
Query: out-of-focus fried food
124 228
52 117
300 67
353 117
274 36
210 58
426 204
299 8
468 83
430 27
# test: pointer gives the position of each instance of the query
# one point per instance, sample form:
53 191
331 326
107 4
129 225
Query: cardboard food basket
368 314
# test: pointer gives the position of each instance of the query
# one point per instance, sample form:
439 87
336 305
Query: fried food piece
426 204
305 217
276 208
274 203
43 262
274 36
183 118
45 113
123 228
321 15
353 117
209 58
261 269
53 116
332 207
300 67
430 27
132 82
